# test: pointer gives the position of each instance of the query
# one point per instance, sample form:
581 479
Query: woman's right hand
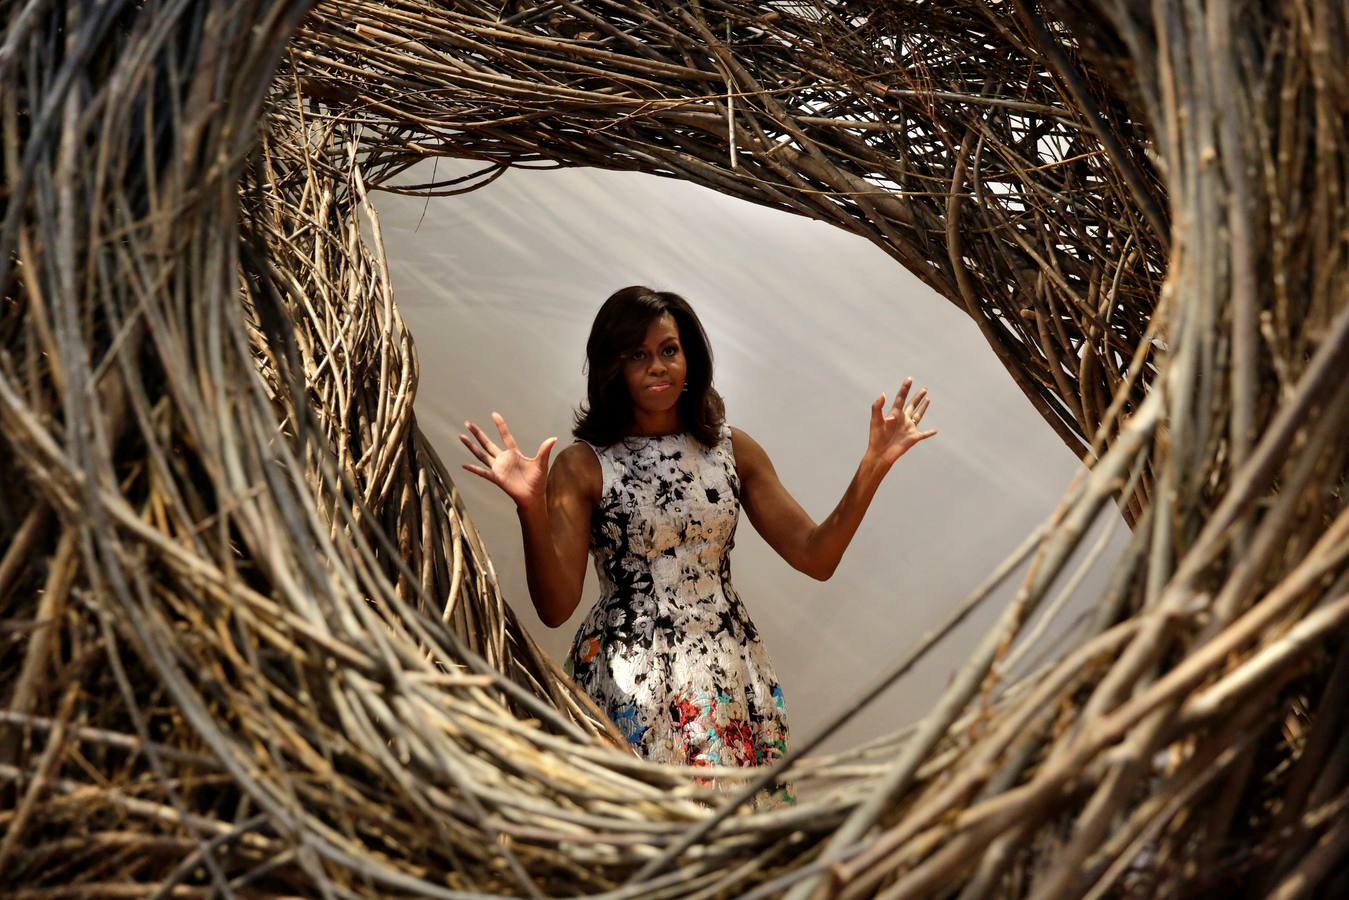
523 478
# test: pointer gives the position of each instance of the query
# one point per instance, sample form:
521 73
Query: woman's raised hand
892 435
523 478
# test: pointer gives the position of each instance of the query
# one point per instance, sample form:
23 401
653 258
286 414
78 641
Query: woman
653 489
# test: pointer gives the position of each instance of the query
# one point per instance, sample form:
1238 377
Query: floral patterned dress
668 649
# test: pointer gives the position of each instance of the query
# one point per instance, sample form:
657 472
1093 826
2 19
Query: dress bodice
668 650
664 526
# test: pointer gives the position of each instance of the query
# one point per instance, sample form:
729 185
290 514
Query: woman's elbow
556 619
560 614
810 558
820 571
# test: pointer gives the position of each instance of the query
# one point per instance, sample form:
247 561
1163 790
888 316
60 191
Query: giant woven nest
253 646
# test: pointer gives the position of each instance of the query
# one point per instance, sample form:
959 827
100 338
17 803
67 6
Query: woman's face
655 369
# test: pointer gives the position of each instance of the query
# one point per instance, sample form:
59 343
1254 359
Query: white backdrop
808 324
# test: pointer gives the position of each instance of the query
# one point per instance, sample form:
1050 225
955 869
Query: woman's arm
554 508
786 527
557 534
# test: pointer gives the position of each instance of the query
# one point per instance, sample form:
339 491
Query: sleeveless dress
668 650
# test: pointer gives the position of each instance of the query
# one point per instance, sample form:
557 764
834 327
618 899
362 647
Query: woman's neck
655 425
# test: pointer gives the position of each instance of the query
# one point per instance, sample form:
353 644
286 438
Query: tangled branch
254 645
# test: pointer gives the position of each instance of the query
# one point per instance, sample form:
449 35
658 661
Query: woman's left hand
892 435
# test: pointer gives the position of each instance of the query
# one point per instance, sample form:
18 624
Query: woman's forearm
828 540
553 591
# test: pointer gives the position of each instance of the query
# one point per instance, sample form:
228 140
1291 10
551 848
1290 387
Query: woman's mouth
660 386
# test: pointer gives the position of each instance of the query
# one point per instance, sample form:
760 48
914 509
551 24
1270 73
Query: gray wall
808 324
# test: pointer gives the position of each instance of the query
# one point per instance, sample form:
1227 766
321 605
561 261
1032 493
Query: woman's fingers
480 472
492 449
544 449
505 432
475 449
902 395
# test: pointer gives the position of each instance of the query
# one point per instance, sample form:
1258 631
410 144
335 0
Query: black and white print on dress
668 650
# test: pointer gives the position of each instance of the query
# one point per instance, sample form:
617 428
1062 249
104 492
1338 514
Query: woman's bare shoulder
740 440
577 465
750 457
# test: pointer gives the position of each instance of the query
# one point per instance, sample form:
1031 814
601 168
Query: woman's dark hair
606 415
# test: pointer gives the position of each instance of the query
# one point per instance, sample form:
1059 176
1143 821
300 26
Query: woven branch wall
252 644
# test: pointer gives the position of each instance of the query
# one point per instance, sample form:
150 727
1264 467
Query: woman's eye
636 355
671 350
